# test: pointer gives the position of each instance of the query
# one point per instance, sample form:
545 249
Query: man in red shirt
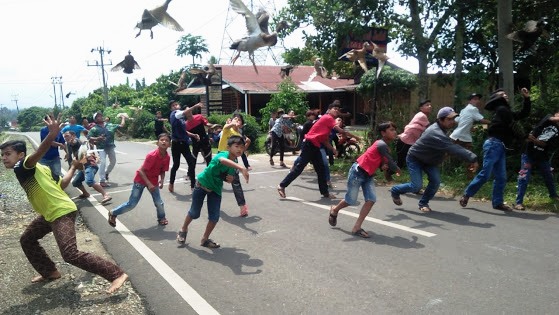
310 151
152 176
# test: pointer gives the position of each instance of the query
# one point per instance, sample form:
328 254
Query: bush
251 128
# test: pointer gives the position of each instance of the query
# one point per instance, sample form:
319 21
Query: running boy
57 213
210 183
361 175
152 176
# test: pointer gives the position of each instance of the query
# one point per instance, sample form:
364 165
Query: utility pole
505 51
102 51
55 80
15 100
61 93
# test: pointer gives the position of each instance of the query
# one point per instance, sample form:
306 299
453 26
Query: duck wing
263 18
119 66
252 25
166 20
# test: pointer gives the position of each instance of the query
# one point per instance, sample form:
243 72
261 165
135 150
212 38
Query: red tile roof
245 79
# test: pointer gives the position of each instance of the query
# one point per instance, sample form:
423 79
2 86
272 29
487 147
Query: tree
31 119
288 98
191 45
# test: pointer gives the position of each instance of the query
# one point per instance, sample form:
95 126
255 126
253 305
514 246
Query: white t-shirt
468 116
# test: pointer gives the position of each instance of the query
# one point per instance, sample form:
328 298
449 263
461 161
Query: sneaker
503 207
519 207
244 211
271 162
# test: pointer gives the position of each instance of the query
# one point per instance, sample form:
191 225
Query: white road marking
189 295
355 215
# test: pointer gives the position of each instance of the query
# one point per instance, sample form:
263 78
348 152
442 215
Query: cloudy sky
44 39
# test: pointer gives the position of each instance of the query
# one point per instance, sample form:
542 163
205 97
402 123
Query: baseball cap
474 95
97 114
446 112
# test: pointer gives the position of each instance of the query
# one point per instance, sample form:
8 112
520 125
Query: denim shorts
88 175
358 178
213 201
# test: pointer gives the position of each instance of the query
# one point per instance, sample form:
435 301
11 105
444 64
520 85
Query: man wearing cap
500 134
462 135
310 151
180 141
426 154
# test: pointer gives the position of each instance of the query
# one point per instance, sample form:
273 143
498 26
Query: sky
45 39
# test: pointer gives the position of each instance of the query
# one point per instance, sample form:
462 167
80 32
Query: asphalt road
284 258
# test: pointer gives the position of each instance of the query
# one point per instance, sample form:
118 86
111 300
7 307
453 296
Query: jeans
494 162
238 189
357 178
214 204
203 146
54 165
102 165
325 162
277 141
416 169
179 148
309 153
526 166
88 174
135 195
111 154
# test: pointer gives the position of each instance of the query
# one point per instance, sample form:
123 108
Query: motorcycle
292 140
348 147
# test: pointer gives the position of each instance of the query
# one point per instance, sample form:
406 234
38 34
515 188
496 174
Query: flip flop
361 233
106 199
111 219
82 196
181 237
163 221
281 191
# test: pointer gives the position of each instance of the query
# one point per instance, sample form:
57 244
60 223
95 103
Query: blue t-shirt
52 153
77 129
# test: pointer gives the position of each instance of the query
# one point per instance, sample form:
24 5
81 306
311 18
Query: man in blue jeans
500 134
426 154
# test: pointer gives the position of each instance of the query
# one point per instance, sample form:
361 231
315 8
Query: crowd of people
421 148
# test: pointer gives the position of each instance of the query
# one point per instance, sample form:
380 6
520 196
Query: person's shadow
233 258
48 299
155 233
449 217
379 239
241 222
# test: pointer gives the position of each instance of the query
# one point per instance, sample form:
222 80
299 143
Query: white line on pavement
386 223
190 296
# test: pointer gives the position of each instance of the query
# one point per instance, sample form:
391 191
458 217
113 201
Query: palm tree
191 45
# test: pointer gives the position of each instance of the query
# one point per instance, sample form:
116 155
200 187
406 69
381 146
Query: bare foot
53 276
117 283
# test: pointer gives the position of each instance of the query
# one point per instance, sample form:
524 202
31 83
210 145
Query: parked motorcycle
348 147
292 140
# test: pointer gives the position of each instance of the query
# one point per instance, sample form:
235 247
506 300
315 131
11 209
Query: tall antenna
235 28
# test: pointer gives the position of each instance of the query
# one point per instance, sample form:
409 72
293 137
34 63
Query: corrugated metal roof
245 79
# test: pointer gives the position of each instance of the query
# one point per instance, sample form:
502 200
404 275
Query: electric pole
55 80
15 100
102 51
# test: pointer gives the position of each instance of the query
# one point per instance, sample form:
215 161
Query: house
244 90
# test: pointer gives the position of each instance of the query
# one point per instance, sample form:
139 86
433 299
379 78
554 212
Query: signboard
214 93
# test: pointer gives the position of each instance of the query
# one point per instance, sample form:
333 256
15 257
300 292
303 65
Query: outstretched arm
54 129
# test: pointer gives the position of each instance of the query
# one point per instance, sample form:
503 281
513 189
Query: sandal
163 221
397 201
106 199
181 237
424 209
83 196
210 244
282 164
111 219
464 201
330 196
361 233
332 219
281 191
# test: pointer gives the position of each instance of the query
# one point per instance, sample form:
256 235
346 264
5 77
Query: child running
210 183
361 175
57 213
89 160
152 176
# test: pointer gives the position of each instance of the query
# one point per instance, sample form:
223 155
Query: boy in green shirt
57 212
210 183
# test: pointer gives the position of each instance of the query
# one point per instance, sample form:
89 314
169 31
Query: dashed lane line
351 214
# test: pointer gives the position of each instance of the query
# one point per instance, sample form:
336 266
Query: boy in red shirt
361 175
310 151
152 176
